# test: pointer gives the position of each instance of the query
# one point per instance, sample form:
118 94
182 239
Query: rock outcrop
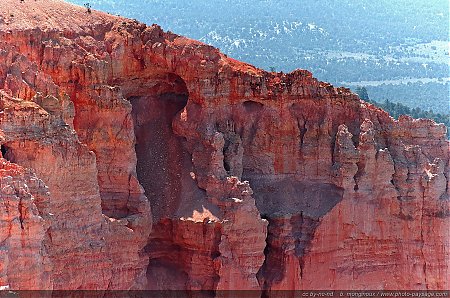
134 158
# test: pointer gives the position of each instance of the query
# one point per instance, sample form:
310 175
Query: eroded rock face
24 229
144 140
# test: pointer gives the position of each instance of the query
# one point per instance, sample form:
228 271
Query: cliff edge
134 158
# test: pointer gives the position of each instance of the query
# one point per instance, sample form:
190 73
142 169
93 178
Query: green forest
397 109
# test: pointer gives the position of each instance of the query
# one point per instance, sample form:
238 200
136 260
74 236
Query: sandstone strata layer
134 158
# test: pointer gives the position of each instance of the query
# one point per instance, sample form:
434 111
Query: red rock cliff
138 159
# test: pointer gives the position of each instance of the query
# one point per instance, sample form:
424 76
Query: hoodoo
134 158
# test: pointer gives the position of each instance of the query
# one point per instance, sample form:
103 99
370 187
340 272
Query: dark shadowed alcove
160 153
7 152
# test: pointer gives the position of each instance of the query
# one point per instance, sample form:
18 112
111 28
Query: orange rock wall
143 141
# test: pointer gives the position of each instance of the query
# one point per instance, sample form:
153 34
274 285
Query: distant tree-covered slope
397 109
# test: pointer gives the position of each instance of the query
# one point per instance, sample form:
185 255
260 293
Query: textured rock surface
24 229
141 141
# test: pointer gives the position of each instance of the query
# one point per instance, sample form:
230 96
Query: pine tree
362 93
